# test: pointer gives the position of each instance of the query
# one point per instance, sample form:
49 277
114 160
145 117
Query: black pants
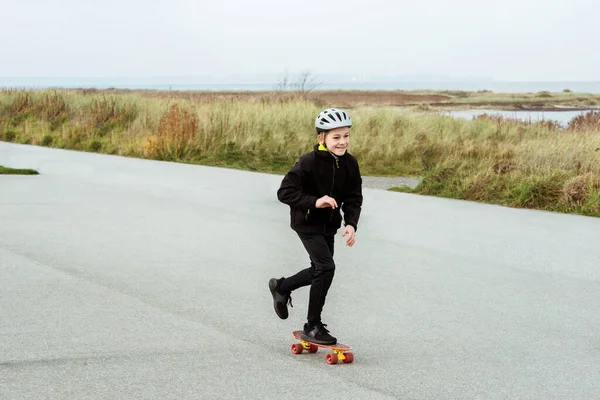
320 274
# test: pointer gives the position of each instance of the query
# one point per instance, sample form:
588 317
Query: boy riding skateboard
320 183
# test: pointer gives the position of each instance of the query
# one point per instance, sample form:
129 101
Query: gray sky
506 40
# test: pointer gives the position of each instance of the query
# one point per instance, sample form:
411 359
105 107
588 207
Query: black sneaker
318 334
280 300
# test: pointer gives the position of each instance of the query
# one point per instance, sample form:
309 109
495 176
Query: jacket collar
322 151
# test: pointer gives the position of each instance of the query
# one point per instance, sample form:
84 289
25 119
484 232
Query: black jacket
315 175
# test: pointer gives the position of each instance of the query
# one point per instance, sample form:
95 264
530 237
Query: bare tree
284 83
306 82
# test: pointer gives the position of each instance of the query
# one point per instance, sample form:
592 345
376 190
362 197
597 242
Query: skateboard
341 352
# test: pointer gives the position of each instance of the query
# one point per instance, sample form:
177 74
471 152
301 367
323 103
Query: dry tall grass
536 165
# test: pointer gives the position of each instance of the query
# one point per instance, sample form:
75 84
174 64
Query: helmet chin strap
329 151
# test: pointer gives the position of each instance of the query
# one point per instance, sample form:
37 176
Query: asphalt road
123 278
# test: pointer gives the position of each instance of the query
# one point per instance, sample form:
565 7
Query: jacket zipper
332 185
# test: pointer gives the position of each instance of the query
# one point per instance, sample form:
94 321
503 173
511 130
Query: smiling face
337 140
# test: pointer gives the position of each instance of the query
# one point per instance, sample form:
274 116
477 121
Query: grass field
495 160
351 99
15 171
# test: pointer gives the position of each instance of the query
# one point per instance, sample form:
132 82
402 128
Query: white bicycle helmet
332 118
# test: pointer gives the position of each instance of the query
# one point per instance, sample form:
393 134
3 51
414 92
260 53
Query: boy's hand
325 202
352 238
